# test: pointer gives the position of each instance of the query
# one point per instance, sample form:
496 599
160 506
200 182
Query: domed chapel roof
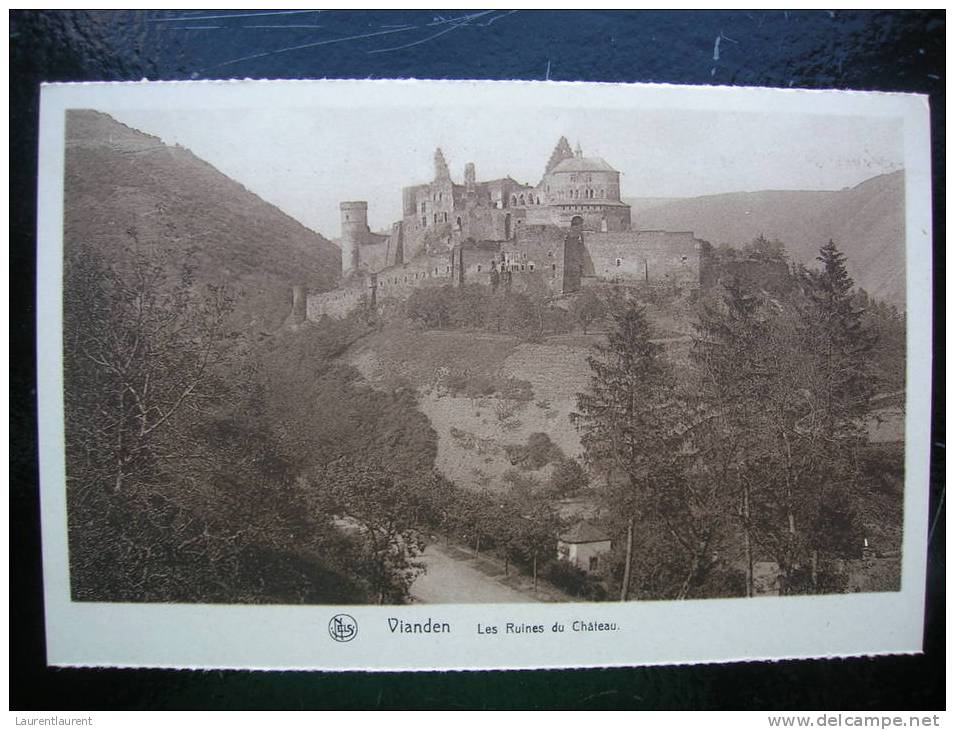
583 164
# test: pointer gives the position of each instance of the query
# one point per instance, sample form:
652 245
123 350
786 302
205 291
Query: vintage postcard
446 375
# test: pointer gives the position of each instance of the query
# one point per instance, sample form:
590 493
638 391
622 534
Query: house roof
584 532
583 164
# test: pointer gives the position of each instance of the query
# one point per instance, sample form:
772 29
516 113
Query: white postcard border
652 632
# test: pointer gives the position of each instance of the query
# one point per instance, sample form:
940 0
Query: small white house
582 545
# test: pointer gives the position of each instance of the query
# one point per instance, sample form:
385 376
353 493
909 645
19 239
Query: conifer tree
622 417
842 340
842 380
731 384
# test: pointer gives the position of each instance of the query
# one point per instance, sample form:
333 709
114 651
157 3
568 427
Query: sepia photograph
410 354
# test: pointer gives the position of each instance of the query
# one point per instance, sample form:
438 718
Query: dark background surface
886 51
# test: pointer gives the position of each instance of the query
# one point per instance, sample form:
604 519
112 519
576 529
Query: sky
305 161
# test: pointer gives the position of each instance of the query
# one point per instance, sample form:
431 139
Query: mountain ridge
867 222
117 178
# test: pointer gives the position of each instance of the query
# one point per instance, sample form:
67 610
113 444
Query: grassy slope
472 437
117 178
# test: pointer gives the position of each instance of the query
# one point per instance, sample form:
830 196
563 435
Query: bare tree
143 342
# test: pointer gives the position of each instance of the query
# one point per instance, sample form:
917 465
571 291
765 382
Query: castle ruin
569 231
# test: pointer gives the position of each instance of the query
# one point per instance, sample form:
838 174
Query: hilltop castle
566 232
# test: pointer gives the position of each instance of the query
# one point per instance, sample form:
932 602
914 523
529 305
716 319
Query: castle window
445 217
683 258
513 200
618 262
459 223
479 267
553 267
531 265
424 221
522 267
522 200
436 219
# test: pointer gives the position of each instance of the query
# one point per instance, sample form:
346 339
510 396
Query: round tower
354 229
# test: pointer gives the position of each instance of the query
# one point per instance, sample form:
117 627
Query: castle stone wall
339 302
538 250
485 222
399 281
654 257
376 254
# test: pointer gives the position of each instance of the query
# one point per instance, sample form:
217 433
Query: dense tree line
189 440
757 450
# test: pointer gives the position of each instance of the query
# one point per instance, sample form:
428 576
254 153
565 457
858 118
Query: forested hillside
121 185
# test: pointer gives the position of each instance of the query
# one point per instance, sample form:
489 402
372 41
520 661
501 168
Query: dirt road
452 577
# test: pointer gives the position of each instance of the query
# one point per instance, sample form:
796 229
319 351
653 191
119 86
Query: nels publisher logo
342 627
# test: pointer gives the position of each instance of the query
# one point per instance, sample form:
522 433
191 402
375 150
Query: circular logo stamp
342 627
